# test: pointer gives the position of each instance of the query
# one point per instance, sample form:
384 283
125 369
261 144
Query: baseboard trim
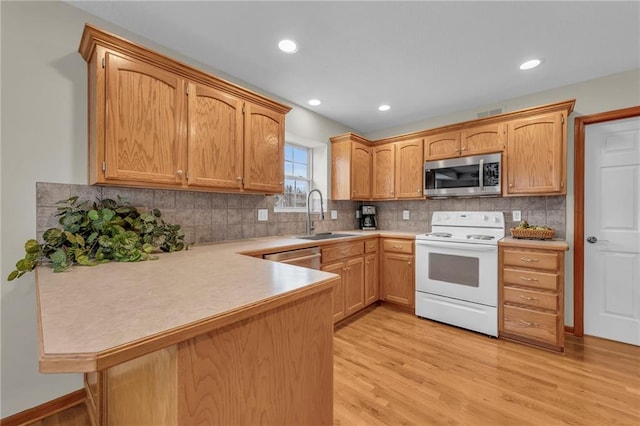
34 414
568 329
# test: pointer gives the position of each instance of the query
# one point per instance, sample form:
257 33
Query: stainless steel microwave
476 175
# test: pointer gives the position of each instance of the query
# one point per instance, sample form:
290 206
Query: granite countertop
94 317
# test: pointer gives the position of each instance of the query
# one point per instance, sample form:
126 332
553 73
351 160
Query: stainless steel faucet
310 226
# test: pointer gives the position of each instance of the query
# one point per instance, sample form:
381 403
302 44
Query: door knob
591 239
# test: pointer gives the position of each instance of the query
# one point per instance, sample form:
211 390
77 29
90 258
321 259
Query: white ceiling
425 59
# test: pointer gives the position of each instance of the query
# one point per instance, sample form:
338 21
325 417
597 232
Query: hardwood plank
394 368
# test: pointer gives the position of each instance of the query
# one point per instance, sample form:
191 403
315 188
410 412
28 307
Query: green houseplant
101 232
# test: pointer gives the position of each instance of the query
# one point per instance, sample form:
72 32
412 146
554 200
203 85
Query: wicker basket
532 234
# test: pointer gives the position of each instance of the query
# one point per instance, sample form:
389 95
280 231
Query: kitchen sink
323 236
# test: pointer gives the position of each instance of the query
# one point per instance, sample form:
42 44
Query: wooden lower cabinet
397 283
347 260
531 292
338 290
371 280
272 368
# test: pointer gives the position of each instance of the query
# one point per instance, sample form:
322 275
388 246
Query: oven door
461 271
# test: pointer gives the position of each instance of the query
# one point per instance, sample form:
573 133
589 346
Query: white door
612 230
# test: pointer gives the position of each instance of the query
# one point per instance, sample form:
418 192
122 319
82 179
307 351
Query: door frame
578 211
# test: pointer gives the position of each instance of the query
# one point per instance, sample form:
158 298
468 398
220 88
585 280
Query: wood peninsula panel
274 369
143 390
215 138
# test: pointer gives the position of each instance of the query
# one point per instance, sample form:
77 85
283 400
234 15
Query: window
297 178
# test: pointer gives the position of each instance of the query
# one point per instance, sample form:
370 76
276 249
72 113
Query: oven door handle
463 246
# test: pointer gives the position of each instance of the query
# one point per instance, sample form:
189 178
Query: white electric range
457 270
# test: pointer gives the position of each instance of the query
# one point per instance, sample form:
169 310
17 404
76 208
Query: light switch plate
263 214
334 214
405 214
516 215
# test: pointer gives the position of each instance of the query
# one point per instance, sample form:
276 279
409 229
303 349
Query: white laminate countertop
88 311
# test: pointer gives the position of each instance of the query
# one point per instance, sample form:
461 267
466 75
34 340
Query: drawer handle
529 324
528 279
397 247
528 298
528 259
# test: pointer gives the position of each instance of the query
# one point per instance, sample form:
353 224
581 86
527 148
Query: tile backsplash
209 217
550 211
205 217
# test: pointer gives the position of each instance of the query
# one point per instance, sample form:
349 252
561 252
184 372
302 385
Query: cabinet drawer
532 279
371 245
398 246
531 298
533 324
532 259
342 251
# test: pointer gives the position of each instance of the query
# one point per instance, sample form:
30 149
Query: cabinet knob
239 178
179 172
464 149
408 263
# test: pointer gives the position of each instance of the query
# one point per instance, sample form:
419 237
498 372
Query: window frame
308 179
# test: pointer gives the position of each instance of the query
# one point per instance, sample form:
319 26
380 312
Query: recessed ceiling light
288 46
315 102
532 63
384 108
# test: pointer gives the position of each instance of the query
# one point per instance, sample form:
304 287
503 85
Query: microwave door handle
481 175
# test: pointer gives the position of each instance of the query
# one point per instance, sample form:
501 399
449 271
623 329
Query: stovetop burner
479 237
440 234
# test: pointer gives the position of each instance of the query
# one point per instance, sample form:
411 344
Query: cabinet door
371 283
384 171
144 117
361 158
215 138
338 290
444 145
354 285
263 150
409 169
536 155
397 283
482 139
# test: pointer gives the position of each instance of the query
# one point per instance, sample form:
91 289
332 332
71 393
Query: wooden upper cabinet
409 169
482 139
361 165
351 167
143 112
473 140
215 138
264 150
444 145
384 171
155 122
536 155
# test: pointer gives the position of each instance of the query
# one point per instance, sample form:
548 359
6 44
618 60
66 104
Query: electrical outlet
517 217
334 214
405 214
263 214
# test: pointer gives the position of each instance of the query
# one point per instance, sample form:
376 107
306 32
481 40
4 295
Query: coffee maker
368 217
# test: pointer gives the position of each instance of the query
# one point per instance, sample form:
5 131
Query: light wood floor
392 368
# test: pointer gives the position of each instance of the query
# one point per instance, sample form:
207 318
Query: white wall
43 138
604 94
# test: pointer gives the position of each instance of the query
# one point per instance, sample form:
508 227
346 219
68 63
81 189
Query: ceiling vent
484 114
